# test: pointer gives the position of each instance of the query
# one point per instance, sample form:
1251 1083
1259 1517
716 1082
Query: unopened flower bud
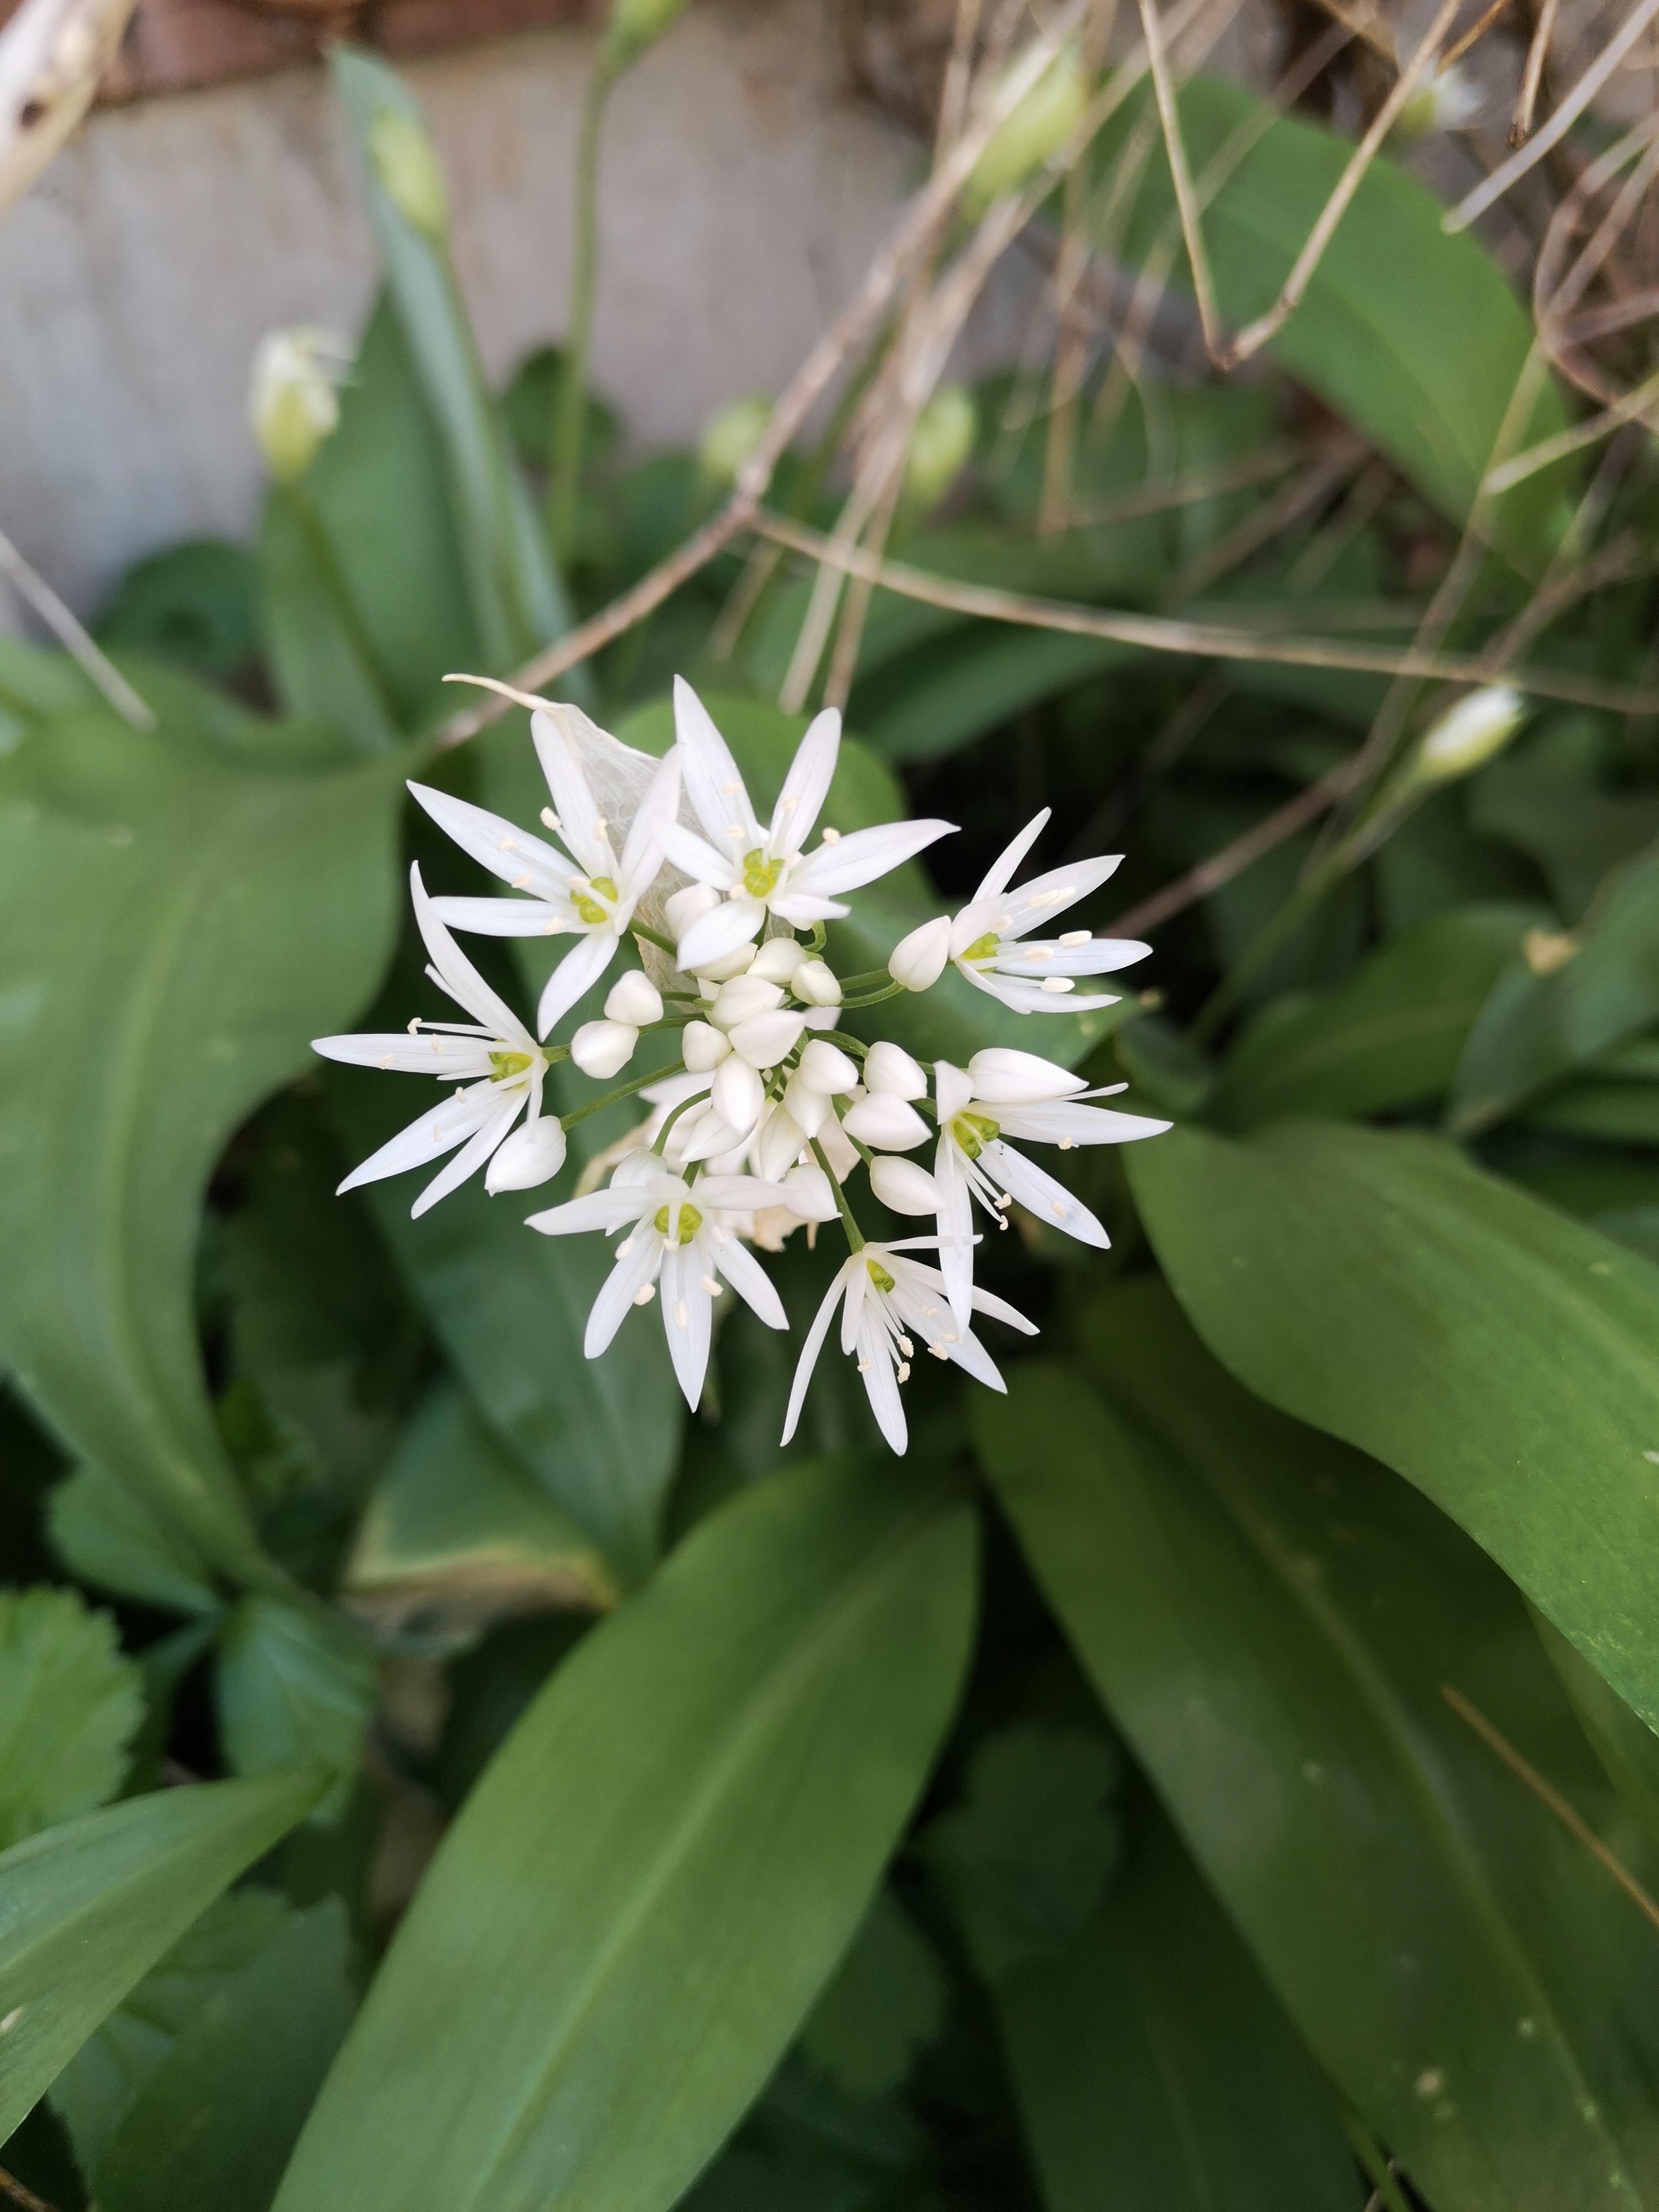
1037 130
810 1194
743 996
808 1108
527 1157
1002 1077
633 998
886 1122
600 1048
887 1066
409 172
636 25
780 1145
292 403
1448 100
682 908
703 1047
765 1039
776 960
940 444
905 1186
1475 732
815 983
917 960
825 1067
730 435
738 1095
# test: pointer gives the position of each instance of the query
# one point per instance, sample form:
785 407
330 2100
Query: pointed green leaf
87 1908
1495 1352
656 1875
1271 1619
295 1685
70 1703
106 1532
179 914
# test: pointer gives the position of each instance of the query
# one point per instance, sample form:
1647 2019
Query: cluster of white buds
769 1107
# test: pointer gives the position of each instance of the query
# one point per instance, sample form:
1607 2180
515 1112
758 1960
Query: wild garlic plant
765 1109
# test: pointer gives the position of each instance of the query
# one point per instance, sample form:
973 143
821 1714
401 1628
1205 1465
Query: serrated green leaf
182 920
644 1894
1389 1038
69 1705
89 1907
458 1532
105 1532
1154 2070
295 1685
1492 1351
1458 1963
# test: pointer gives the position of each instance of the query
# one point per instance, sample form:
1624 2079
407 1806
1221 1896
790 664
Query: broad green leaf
1154 2070
656 1876
1387 1039
973 681
96 2088
1414 337
1535 1028
182 920
36 684
320 656
211 2127
458 1532
1025 1857
1550 797
106 1532
1612 1112
87 1909
295 1685
1492 1351
1626 1746
192 603
887 2001
69 1704
517 600
1273 1621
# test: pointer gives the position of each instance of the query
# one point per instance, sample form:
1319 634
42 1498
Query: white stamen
550 820
830 837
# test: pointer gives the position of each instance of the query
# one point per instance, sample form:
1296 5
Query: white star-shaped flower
985 939
1003 1094
494 1057
592 896
888 1301
764 872
682 1236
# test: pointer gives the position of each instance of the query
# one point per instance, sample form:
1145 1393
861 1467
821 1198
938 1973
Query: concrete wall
743 194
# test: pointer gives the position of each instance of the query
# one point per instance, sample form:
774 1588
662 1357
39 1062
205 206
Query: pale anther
645 1293
681 1315
1069 937
831 836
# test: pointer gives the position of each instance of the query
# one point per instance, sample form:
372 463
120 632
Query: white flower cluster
768 1107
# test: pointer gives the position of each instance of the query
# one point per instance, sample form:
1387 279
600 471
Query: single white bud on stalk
917 960
1473 732
765 1039
409 172
730 435
815 984
807 1108
601 1048
777 959
738 1094
780 1143
887 1066
633 998
743 997
292 403
810 1194
905 1186
825 1067
703 1047
886 1122
682 908
1448 100
1002 1077
941 440
527 1157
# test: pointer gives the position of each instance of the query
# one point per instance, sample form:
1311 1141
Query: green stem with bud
663 944
623 1091
570 399
698 1098
854 1236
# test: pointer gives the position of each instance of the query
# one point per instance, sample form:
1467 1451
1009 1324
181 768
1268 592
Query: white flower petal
718 935
470 1157
875 1356
1066 1121
1001 872
809 1355
1002 1076
712 783
738 1094
1042 1196
903 1185
695 857
887 1066
806 786
552 731
426 1053
437 1131
864 854
750 1281
575 975
685 1318
456 973
917 960
496 843
1046 895
1101 955
953 1092
634 1268
801 910
602 1210
1024 998
502 917
641 851
956 1230
765 1039
529 1158
970 1355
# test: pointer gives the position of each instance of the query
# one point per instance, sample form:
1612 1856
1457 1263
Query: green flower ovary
690 1222
589 909
879 1276
982 948
504 1065
760 875
973 1132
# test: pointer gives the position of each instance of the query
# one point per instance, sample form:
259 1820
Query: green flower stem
1367 2150
855 1238
570 401
623 1091
663 944
874 998
867 982
321 548
854 1045
698 1098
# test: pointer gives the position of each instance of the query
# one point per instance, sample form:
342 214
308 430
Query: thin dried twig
1180 175
1567 112
1548 1796
21 2194
94 663
1630 408
1309 490
1533 75
850 331
1255 468
1208 641
1477 31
